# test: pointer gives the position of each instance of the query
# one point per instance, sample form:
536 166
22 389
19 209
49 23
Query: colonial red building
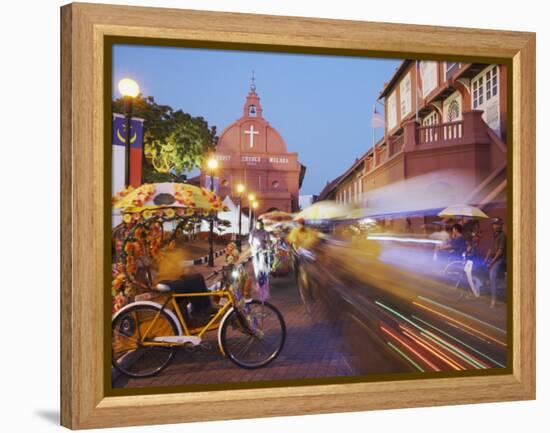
251 152
438 116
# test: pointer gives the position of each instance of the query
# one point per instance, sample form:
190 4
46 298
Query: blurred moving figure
495 260
260 244
442 235
303 237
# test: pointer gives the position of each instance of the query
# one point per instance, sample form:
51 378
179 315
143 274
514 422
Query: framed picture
265 215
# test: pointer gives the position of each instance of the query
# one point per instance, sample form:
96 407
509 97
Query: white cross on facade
252 133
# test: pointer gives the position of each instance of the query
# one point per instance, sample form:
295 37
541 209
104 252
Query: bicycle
301 259
461 271
146 334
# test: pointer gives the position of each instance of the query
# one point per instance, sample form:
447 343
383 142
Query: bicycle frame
211 325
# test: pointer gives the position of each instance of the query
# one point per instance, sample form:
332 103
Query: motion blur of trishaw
152 319
304 241
277 223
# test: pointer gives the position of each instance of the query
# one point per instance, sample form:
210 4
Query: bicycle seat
192 283
187 284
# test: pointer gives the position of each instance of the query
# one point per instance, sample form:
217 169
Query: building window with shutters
405 95
392 114
450 69
428 76
477 87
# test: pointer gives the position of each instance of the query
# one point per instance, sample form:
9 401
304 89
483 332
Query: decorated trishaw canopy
275 216
151 196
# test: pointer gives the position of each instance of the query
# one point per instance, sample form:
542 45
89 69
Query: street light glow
128 87
212 163
251 197
255 205
240 188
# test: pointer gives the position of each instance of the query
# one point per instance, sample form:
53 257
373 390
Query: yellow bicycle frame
211 325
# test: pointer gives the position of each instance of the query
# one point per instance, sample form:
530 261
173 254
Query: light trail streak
470 359
461 323
474 362
397 314
434 351
454 325
459 341
450 348
407 240
496 328
400 352
404 343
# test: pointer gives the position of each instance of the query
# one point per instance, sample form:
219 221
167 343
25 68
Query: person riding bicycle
457 243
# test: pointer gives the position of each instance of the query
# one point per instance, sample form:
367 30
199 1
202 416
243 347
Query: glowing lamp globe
128 87
255 205
251 197
212 164
240 188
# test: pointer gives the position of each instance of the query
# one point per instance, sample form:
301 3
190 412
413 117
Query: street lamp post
129 89
212 166
255 206
240 190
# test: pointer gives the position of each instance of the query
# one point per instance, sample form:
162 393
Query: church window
225 182
275 184
252 111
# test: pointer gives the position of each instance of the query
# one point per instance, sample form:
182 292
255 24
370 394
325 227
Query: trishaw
151 319
278 224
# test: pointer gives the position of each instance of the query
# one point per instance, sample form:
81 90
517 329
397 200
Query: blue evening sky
321 105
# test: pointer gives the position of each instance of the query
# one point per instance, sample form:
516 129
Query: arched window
453 112
252 111
275 184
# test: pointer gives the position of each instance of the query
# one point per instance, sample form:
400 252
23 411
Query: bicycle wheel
255 342
129 355
454 273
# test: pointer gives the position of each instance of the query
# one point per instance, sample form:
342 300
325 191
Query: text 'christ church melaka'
251 152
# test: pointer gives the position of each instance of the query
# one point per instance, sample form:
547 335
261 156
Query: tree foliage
174 141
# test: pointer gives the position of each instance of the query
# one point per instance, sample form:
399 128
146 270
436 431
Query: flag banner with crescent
207 184
119 131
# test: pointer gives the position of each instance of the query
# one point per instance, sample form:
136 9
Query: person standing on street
495 260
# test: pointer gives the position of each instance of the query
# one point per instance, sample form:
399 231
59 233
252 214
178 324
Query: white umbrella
462 210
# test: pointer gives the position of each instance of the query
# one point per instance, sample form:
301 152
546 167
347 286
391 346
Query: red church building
251 152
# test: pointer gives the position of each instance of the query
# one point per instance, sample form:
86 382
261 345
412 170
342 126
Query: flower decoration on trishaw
140 241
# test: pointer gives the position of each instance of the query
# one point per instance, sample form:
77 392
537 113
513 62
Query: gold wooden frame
84 26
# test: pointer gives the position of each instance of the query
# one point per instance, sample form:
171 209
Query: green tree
174 141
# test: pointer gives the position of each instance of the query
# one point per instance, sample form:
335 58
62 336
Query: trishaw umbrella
167 194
